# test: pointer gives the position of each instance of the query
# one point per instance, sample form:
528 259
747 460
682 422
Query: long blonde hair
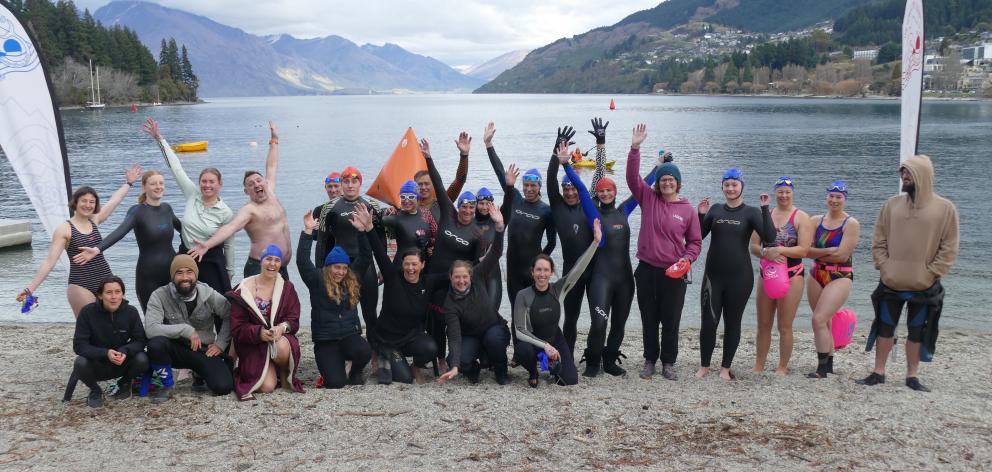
144 178
336 291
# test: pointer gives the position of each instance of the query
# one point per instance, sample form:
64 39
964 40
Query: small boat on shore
591 164
196 146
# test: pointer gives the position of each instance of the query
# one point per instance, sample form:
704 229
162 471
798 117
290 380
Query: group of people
443 287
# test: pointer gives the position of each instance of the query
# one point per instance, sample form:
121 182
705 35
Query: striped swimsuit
93 272
826 272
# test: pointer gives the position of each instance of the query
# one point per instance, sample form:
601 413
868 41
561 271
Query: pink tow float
843 325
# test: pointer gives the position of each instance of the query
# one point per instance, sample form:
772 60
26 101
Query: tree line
128 70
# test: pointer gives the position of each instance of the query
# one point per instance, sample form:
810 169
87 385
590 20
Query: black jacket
330 321
98 331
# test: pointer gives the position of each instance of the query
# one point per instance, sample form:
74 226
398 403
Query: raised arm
272 160
638 188
308 271
497 164
598 131
131 176
564 137
491 259
767 226
630 204
447 208
464 144
187 186
588 206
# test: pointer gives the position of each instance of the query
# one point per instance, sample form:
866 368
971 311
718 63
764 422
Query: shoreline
606 422
128 105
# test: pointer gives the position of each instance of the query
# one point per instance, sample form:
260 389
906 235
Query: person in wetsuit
474 327
332 185
334 295
336 229
154 224
537 312
410 225
729 276
406 293
483 206
531 218
428 199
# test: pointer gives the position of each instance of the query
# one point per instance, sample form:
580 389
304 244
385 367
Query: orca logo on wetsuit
600 312
575 229
528 215
455 237
729 222
618 227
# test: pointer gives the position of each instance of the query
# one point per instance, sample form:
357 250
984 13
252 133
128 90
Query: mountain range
232 62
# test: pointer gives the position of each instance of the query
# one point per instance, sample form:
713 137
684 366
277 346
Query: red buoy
613 106
134 107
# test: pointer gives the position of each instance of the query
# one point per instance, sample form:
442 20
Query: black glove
599 130
564 136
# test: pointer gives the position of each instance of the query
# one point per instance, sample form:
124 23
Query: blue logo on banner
16 52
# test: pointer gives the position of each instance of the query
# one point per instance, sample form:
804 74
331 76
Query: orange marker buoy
613 106
405 161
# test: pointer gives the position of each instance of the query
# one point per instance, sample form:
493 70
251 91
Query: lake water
814 141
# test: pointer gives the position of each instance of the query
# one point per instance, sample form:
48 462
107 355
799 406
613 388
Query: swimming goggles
487 198
336 180
407 197
784 182
733 173
838 186
532 178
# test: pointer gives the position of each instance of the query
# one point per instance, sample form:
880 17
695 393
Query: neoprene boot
592 364
611 361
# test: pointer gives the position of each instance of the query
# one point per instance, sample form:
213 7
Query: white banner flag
912 77
30 126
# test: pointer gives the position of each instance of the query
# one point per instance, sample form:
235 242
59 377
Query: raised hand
597 231
487 135
704 206
599 130
425 147
512 174
562 153
564 135
497 218
640 134
151 128
85 255
273 133
464 143
364 218
309 223
133 174
764 199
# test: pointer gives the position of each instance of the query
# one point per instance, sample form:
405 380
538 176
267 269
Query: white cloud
457 32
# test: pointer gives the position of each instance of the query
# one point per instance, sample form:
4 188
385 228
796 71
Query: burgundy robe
246 324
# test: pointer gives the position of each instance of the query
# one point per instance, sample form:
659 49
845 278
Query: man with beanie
183 332
915 245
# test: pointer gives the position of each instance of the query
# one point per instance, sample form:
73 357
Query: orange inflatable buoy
134 107
405 161
613 106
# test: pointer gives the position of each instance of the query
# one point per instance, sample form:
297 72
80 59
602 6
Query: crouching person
109 341
189 327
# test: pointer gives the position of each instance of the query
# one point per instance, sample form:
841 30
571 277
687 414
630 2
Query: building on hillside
978 53
933 63
866 54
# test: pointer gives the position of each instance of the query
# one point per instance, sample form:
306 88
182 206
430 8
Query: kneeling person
183 330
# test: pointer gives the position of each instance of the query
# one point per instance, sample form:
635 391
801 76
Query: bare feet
702 372
758 369
375 365
727 374
418 376
782 371
347 367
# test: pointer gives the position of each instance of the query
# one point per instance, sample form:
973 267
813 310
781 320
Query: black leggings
90 372
573 308
526 355
661 299
370 300
331 357
176 353
493 343
212 269
610 297
423 350
728 297
495 287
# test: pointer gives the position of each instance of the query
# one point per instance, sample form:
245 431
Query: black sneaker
874 379
502 378
95 399
914 383
123 392
199 385
385 373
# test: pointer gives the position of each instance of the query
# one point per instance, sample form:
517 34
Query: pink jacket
669 230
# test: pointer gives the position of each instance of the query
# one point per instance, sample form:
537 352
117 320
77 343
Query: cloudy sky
458 32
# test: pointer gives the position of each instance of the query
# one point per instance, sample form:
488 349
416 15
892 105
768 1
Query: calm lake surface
813 141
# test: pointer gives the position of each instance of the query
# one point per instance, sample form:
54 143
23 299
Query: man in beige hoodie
915 245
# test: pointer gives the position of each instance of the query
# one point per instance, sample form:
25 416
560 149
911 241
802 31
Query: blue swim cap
271 250
337 256
838 186
734 173
465 197
484 194
566 181
532 175
409 187
785 181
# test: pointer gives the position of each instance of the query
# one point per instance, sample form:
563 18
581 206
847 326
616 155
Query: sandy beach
759 421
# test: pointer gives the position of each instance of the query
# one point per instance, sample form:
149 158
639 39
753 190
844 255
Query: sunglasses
336 180
404 197
532 178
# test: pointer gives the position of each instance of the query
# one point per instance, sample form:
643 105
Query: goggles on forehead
336 180
838 186
407 197
484 198
531 178
466 201
353 175
784 182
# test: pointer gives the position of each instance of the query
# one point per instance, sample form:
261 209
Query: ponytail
144 178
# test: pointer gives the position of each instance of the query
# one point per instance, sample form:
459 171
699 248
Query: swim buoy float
774 278
678 269
842 326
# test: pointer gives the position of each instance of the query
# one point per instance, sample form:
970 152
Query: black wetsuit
336 328
530 221
400 327
410 231
154 227
729 276
336 230
494 285
611 287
